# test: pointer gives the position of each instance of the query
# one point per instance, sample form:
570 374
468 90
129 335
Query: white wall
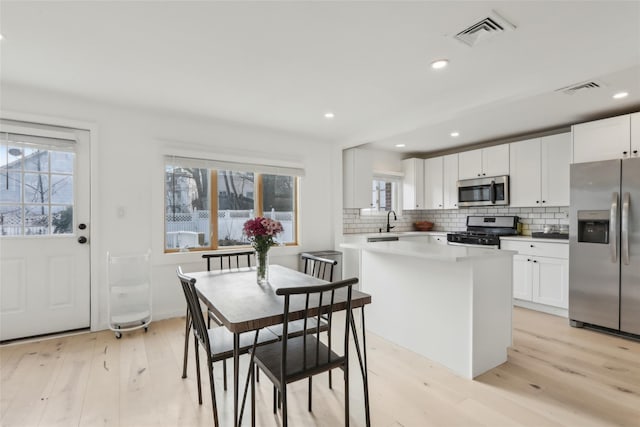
128 150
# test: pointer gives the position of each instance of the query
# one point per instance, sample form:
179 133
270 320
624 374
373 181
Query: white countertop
398 234
429 251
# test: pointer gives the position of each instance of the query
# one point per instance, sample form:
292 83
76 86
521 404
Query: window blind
234 166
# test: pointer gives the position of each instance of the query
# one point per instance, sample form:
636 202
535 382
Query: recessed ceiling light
455 134
440 63
620 95
401 145
329 115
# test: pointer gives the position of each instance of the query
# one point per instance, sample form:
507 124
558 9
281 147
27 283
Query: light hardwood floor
555 376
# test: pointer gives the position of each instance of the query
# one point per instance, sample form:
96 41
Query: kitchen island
452 304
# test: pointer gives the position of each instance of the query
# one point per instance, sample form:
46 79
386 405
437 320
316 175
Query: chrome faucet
395 218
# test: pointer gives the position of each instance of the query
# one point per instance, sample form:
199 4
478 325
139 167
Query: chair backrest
318 301
321 268
193 302
230 260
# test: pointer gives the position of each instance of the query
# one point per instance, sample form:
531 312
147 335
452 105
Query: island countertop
429 251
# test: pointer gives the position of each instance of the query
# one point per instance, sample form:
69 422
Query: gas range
485 231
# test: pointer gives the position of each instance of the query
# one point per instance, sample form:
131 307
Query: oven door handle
492 192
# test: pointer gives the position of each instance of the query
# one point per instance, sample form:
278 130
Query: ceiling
284 64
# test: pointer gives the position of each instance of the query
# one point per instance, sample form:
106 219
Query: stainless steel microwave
489 191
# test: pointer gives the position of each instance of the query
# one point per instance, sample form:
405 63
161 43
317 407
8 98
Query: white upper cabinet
604 139
357 174
450 184
540 171
413 184
490 161
555 167
524 181
433 183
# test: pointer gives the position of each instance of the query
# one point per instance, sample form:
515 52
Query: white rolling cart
129 302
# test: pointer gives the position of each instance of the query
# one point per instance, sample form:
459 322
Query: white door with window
44 230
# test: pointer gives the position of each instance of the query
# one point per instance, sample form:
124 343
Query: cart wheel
118 335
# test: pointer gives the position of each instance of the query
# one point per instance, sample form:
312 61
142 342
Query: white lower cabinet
540 272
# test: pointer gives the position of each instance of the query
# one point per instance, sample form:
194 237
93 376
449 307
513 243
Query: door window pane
10 220
61 189
10 187
36 160
62 219
36 188
36 220
62 162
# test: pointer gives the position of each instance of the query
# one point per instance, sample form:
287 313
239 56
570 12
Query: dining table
243 305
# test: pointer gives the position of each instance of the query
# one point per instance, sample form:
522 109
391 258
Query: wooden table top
242 305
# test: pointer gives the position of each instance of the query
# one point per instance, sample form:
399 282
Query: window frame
213 203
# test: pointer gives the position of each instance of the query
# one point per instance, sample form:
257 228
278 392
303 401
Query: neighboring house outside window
206 208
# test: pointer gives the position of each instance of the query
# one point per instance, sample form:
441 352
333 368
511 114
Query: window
36 185
385 191
206 207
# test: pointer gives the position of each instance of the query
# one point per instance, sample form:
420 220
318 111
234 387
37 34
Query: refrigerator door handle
613 228
626 199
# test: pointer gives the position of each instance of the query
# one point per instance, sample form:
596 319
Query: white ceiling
284 64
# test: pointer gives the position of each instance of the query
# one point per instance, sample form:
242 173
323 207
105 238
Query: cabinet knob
624 152
478 174
544 201
537 201
528 259
535 260
531 246
635 151
484 174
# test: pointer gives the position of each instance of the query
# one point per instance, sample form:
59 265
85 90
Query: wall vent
484 29
579 87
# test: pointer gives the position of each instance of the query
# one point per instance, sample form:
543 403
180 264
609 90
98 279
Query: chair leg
310 391
224 373
346 394
257 374
253 398
330 382
275 397
187 329
196 349
212 384
283 393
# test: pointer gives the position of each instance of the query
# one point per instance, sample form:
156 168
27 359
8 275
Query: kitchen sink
382 239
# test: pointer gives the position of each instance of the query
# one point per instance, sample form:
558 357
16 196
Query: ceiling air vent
580 87
485 29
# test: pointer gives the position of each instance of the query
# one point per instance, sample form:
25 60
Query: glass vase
262 267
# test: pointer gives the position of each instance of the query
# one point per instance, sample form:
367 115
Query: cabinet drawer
533 248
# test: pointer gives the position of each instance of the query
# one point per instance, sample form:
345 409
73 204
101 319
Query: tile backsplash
532 219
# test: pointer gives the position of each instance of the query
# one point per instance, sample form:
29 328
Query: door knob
82 226
82 240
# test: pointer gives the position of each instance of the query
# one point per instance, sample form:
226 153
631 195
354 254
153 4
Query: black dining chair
319 267
225 261
217 342
303 356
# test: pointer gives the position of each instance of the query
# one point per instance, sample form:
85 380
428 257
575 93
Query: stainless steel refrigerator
604 239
